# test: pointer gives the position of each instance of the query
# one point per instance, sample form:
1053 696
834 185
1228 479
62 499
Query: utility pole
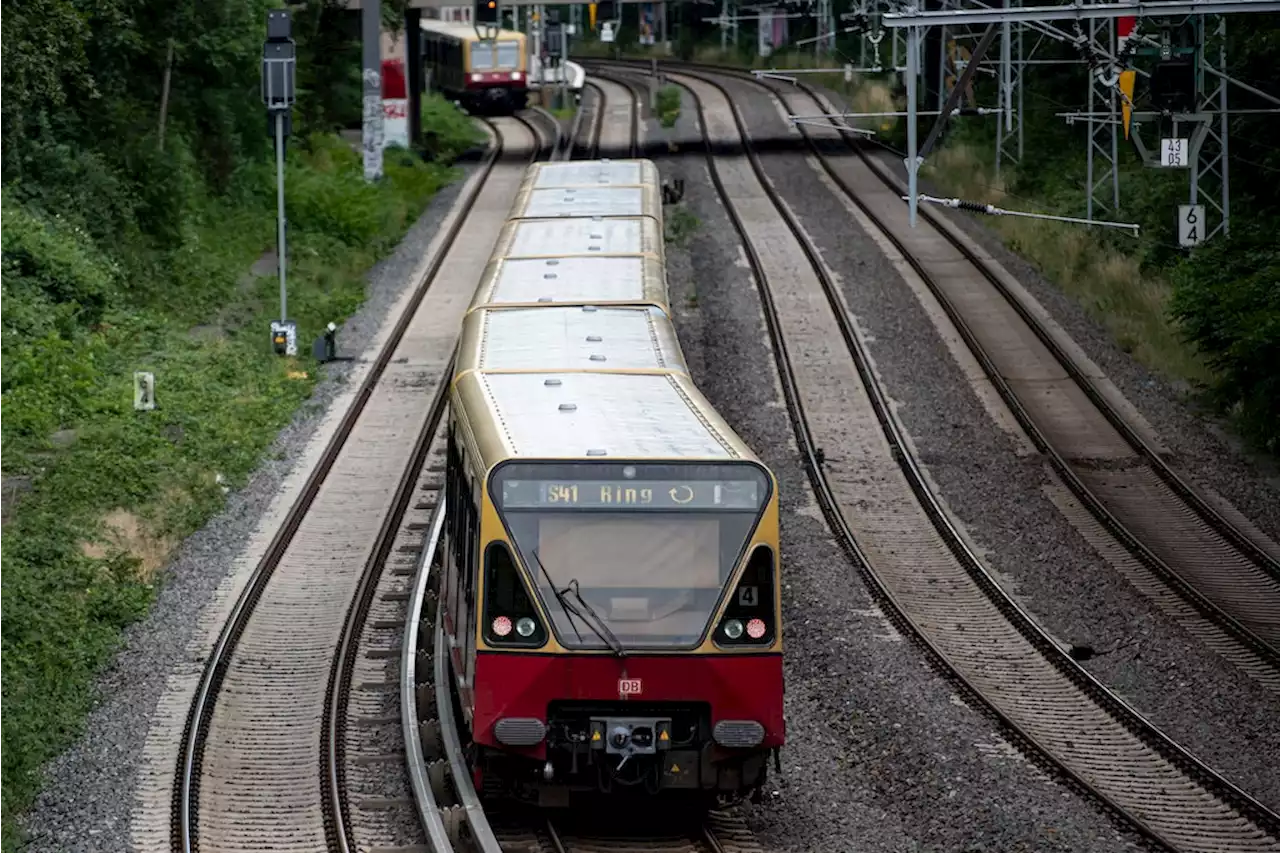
279 62
371 136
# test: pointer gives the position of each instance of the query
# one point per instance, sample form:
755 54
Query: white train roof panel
585 201
572 279
618 415
534 237
571 338
589 173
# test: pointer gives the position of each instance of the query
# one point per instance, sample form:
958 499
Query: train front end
630 636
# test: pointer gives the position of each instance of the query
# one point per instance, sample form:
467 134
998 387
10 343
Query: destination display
632 494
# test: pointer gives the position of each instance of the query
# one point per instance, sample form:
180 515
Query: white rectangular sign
395 122
606 31
1191 225
1175 153
144 391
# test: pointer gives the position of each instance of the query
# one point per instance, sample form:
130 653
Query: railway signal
279 67
486 12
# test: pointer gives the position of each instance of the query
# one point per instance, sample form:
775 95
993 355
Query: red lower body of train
501 92
546 727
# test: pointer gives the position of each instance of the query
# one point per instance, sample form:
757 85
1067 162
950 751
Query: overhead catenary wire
992 210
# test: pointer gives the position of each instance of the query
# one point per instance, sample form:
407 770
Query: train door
461 593
453 539
469 588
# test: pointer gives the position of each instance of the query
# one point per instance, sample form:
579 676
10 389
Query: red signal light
755 629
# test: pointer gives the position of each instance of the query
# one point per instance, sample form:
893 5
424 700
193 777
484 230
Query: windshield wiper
610 638
569 609
597 625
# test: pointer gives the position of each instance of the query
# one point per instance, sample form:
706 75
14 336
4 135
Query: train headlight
502 626
755 629
733 629
516 75
526 626
476 78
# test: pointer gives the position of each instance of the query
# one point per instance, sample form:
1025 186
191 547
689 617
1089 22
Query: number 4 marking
748 596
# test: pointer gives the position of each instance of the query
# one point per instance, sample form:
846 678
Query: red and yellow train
611 591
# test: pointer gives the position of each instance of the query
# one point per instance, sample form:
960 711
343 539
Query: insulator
973 206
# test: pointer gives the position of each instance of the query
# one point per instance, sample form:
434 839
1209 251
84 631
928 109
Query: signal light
755 629
486 12
502 626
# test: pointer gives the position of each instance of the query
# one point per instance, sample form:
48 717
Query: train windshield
484 57
648 547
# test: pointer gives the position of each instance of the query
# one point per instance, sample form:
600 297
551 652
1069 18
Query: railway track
295 693
617 117
876 497
1205 565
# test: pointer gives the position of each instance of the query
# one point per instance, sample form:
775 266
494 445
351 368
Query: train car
553 238
579 337
610 587
611 593
588 201
592 173
573 280
485 75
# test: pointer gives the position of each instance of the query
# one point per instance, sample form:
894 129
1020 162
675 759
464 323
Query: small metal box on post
279 65
554 53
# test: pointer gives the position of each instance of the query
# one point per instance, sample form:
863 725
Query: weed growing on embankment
97 495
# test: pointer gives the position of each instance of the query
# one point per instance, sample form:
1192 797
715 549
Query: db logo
629 687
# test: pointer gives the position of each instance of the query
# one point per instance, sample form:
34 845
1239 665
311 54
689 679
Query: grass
1108 281
680 225
98 495
668 106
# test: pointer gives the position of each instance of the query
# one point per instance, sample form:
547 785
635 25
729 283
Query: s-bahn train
610 591
484 75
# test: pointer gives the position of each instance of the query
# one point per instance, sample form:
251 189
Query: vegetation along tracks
875 494
265 730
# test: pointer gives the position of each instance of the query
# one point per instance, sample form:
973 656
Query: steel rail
636 100
482 835
545 149
597 120
1127 716
185 833
334 804
415 760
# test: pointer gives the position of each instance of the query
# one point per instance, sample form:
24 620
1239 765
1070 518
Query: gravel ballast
881 754
1002 497
92 788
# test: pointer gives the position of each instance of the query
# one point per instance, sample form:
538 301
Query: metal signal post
279 65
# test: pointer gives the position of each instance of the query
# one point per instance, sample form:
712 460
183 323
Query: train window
482 56
654 578
508 54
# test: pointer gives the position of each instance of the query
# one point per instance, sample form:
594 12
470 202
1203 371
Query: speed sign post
1190 225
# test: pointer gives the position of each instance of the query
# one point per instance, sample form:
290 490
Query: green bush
446 132
79 318
1227 297
668 105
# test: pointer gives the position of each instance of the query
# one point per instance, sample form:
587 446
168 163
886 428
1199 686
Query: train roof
565 338
595 235
592 173
600 416
536 203
465 32
575 280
